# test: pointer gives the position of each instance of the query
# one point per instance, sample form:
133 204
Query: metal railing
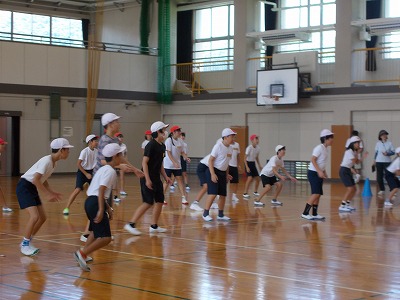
64 42
374 66
203 77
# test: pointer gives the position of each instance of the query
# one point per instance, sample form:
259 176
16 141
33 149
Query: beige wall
296 126
35 132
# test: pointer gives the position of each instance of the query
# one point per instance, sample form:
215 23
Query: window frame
222 62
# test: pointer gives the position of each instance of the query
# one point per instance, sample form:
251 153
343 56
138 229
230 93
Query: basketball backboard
278 86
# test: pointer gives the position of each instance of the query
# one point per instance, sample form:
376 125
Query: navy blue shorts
201 173
81 179
156 195
268 180
176 172
315 182
346 177
183 164
218 188
392 180
27 194
253 169
101 229
234 172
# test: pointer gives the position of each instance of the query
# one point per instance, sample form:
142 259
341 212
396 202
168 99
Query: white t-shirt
144 144
175 150
43 166
205 160
252 152
235 152
348 157
222 156
88 158
105 176
394 166
273 162
321 153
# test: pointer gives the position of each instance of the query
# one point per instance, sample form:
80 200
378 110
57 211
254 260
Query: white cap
354 139
156 126
60 143
227 131
112 149
325 132
279 147
397 150
90 137
108 118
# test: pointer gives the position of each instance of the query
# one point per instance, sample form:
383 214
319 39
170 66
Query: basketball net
269 104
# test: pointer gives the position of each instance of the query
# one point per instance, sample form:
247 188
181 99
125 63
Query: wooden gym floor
263 253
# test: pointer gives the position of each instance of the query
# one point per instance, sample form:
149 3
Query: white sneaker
83 238
175 183
207 218
258 203
224 218
7 209
350 207
188 188
344 208
234 197
172 188
388 203
132 230
157 230
276 202
214 206
318 217
116 199
123 193
29 251
256 194
184 201
246 196
89 259
81 261
195 206
307 217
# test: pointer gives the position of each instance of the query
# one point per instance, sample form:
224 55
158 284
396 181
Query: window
310 13
391 41
213 37
66 31
5 25
32 28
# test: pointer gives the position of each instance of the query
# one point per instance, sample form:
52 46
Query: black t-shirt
155 152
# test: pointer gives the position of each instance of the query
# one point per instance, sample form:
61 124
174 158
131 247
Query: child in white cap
33 182
350 158
316 174
391 176
151 185
270 176
252 153
98 211
217 175
86 163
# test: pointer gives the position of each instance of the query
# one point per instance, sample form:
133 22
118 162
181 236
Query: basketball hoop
274 97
